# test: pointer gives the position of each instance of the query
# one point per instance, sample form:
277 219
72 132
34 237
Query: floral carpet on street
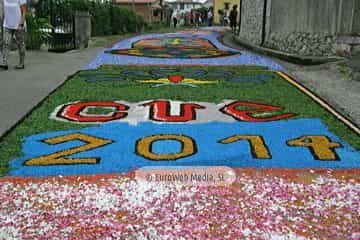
176 136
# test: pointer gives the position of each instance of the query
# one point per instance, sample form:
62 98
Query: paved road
21 90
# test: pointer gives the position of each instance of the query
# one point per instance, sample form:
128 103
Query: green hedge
107 18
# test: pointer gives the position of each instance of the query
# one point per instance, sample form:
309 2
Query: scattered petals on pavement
261 204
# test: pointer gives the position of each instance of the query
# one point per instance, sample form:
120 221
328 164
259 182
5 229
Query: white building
184 5
208 4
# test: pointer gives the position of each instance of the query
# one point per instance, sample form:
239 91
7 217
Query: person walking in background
225 18
197 18
233 18
190 16
14 28
174 18
203 17
210 17
182 19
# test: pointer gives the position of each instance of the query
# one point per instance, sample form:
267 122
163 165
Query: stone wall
252 12
311 27
311 16
306 27
312 44
356 23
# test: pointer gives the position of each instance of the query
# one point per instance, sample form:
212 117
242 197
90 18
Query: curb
293 58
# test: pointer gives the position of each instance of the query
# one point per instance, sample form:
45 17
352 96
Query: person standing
191 19
210 17
233 18
174 18
14 28
197 18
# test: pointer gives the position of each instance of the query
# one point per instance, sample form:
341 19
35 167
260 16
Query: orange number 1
257 145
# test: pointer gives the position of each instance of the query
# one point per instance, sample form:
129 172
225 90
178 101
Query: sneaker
20 66
5 67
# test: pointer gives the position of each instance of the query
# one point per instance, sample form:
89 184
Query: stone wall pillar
311 27
252 20
346 16
356 18
82 29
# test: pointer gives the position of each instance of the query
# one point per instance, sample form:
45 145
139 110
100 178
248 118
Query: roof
183 1
134 1
209 2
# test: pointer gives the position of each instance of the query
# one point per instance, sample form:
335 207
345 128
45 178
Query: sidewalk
21 90
330 81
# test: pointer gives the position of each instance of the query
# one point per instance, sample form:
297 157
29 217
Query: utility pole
151 13
161 12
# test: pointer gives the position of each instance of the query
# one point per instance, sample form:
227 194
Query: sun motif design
178 76
176 80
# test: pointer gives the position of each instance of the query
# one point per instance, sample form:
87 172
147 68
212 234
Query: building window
227 6
182 6
156 12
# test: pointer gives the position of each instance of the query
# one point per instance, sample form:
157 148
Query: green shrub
140 23
106 18
38 31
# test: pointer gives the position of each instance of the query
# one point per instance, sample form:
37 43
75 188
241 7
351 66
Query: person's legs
7 39
20 41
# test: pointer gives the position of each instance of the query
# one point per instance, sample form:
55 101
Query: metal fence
61 16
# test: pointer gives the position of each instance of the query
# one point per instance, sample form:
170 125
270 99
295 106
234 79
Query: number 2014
321 148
